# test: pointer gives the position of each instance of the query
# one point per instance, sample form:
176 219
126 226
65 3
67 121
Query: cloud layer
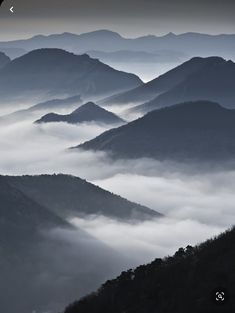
198 202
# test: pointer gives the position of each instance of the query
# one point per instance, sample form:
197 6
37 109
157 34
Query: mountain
13 52
51 72
189 43
185 282
215 81
41 251
161 84
24 225
192 131
69 196
160 56
59 105
4 60
67 41
89 112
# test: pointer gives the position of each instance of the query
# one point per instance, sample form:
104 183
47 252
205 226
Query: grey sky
129 17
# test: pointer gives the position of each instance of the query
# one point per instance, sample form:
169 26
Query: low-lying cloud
198 202
143 242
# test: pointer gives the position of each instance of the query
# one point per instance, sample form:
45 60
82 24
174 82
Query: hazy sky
129 17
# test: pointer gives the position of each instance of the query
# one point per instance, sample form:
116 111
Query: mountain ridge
212 82
191 131
194 273
88 112
70 196
61 73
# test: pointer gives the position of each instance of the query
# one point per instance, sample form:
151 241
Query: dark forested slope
183 283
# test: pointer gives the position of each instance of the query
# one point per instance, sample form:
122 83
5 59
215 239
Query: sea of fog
197 203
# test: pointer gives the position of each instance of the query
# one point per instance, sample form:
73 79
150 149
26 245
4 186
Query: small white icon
12 9
220 296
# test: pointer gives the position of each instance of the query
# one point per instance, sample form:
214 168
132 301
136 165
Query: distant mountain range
214 81
4 60
89 112
185 282
55 72
160 84
128 56
41 251
189 43
193 131
59 105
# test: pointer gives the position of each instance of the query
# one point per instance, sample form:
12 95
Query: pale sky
131 18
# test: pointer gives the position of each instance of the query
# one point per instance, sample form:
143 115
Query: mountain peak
209 59
102 33
89 112
170 34
60 72
87 106
190 131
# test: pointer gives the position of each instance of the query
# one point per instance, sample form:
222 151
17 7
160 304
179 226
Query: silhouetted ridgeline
69 196
4 60
192 131
180 284
161 84
189 43
89 112
45 262
214 81
60 73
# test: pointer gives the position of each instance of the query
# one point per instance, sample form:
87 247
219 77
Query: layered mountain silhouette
41 251
108 41
13 52
159 85
124 56
213 81
199 130
59 105
89 112
4 59
51 72
185 282
69 196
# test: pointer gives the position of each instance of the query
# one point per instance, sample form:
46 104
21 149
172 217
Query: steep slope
57 72
45 262
4 60
161 84
70 196
21 211
190 131
89 112
186 282
214 82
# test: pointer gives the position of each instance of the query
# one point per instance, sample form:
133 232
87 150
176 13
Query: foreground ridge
181 283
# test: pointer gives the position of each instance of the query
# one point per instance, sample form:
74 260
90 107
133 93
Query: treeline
181 283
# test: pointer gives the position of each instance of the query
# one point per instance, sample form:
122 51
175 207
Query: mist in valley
196 201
